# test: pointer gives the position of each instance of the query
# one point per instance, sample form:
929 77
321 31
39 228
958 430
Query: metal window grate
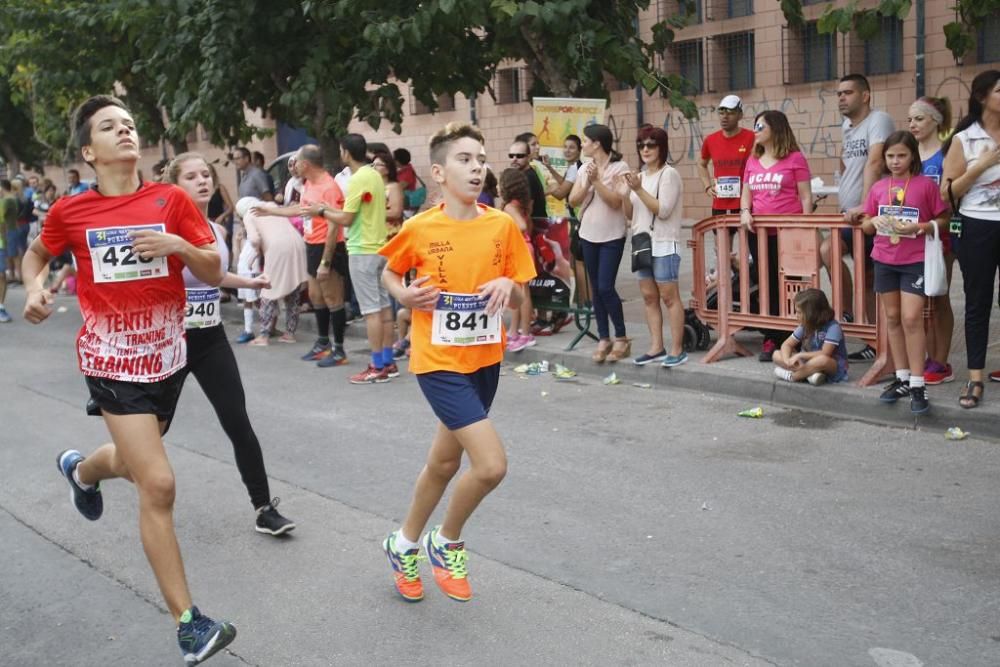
884 51
445 102
987 44
667 8
511 85
687 59
736 8
731 62
820 54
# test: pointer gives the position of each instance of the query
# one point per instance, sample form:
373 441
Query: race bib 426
114 258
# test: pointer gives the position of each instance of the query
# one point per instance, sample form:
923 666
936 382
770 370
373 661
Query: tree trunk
544 67
179 146
330 147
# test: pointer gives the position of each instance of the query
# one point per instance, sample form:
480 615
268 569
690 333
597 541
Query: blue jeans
601 261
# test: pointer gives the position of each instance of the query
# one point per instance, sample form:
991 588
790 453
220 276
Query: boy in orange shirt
471 264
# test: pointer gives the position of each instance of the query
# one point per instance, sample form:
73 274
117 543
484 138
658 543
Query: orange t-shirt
459 256
327 191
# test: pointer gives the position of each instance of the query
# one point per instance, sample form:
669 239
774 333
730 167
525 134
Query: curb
850 401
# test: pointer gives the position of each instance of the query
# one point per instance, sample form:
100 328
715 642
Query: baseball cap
731 102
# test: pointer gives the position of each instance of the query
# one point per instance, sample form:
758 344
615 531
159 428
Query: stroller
697 333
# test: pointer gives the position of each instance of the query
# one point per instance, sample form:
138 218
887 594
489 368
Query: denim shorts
3 260
460 399
666 269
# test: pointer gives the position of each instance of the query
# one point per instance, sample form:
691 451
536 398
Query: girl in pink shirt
775 182
900 210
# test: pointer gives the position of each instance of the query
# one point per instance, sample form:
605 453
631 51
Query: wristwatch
322 210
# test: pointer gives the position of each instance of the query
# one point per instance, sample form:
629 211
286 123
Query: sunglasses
517 156
646 144
759 127
724 111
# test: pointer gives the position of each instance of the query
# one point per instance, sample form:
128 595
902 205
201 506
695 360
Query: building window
806 3
738 55
988 48
669 8
820 54
445 102
884 50
687 59
511 85
736 8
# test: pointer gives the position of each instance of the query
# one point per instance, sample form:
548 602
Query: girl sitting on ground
822 355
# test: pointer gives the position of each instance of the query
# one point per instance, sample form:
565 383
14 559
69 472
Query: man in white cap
728 151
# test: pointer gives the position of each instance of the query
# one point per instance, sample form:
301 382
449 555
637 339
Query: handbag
416 197
642 243
935 274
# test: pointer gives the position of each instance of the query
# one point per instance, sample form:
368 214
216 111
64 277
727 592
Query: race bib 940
203 308
114 258
461 319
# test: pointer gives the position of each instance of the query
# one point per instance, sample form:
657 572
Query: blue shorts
3 260
17 240
666 269
460 399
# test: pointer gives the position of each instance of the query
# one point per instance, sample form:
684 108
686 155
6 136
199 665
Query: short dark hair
860 79
74 171
526 137
257 155
905 138
575 139
402 156
243 151
448 135
312 154
355 145
656 134
86 111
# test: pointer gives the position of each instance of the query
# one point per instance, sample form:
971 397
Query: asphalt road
635 527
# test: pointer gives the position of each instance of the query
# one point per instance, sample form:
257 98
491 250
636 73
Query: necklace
900 197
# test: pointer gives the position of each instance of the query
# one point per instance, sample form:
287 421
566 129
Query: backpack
416 197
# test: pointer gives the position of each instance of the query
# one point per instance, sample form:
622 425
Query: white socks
783 373
403 544
248 320
904 376
916 381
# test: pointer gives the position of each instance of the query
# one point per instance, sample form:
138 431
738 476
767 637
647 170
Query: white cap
731 102
244 205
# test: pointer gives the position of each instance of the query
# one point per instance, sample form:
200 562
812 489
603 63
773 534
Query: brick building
736 46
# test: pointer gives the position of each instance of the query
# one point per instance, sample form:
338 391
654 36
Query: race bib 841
461 319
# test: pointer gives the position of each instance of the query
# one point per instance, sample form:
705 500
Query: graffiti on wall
816 122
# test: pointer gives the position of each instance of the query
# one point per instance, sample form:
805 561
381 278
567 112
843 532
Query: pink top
598 221
921 193
775 189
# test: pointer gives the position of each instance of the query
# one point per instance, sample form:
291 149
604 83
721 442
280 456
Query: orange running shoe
404 570
449 563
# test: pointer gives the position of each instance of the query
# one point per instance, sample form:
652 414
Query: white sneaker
816 379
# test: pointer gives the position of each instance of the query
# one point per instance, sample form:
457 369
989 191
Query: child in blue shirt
823 354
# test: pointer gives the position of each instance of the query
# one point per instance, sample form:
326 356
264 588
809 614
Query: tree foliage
314 64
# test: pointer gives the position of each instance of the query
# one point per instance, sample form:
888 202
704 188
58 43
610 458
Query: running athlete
471 263
210 357
131 241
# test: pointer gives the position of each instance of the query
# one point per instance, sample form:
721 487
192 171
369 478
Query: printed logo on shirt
855 148
765 182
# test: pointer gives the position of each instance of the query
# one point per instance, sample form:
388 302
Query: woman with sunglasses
776 182
598 193
654 206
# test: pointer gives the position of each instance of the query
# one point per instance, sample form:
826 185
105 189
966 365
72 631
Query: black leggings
979 256
211 359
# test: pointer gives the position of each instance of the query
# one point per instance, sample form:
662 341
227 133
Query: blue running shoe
200 637
89 503
245 337
319 351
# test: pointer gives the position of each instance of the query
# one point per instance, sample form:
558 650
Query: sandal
621 349
968 399
259 341
287 338
601 353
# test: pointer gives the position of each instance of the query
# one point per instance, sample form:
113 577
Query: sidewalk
749 379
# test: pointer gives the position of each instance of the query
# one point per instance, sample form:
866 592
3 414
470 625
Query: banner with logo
555 118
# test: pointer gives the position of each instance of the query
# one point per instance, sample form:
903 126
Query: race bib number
307 224
905 214
114 259
728 187
461 319
203 308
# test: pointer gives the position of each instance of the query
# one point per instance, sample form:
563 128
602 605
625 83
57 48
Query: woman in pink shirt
775 182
